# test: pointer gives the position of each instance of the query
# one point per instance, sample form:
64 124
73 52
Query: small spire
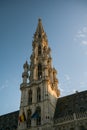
40 33
26 64
39 29
39 20
25 73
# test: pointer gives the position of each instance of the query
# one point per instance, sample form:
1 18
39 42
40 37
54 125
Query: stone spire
41 60
39 29
40 34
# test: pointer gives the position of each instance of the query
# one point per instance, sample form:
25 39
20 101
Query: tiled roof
68 105
9 121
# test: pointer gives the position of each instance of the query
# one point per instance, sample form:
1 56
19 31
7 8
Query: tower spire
39 29
40 34
38 96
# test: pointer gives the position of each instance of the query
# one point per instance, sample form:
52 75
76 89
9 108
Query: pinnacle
39 20
40 33
39 29
26 64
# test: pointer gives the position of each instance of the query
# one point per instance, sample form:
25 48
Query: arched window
29 118
39 71
38 94
30 97
39 50
38 120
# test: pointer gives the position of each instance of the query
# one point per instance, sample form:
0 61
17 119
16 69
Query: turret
25 73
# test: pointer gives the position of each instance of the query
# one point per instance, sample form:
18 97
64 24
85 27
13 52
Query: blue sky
65 23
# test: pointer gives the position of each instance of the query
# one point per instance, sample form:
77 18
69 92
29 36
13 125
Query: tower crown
39 29
41 62
40 34
40 68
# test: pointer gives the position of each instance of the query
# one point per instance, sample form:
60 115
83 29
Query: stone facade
40 107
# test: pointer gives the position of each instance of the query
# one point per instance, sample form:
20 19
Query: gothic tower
39 89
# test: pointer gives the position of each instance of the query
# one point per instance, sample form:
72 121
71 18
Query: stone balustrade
71 118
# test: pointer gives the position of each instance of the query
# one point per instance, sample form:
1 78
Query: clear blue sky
65 23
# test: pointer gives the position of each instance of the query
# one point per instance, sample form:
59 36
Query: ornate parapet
82 115
65 119
71 118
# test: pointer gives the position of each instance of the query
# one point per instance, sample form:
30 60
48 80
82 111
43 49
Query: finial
40 34
40 23
39 20
39 29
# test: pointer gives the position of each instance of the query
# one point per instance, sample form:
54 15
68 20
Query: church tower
39 89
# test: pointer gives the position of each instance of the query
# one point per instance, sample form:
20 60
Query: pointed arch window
39 50
39 71
38 120
38 94
29 113
30 97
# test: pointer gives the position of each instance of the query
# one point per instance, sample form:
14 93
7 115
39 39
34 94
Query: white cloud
82 83
67 77
60 87
85 29
61 91
81 38
84 42
81 33
5 85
